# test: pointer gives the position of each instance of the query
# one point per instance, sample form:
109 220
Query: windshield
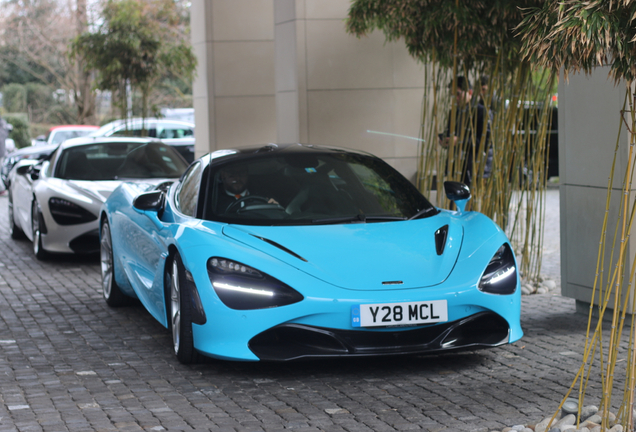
312 188
119 160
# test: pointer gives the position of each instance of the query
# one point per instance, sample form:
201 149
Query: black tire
15 231
180 313
110 290
38 250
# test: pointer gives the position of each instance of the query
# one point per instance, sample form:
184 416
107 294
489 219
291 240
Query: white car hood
88 191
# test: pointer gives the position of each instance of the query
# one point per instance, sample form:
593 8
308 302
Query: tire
180 311
38 250
14 230
110 290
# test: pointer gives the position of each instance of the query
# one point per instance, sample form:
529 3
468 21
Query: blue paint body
346 265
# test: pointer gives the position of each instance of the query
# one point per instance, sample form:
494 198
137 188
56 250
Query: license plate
396 314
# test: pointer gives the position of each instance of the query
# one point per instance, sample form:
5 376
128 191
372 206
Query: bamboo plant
473 39
572 36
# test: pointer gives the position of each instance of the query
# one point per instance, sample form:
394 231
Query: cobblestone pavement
68 362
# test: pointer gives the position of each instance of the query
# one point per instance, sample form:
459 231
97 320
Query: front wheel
181 314
38 250
110 290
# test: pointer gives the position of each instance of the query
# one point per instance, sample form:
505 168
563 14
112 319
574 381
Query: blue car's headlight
500 276
241 287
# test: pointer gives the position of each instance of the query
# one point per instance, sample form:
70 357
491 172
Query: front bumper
296 341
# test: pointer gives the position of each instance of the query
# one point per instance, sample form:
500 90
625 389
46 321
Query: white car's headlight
65 212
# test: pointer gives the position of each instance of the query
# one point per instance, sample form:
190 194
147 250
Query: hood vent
440 239
281 247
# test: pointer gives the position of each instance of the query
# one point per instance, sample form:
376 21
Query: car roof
74 142
249 152
135 120
74 127
108 127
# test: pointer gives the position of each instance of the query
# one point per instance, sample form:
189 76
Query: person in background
471 122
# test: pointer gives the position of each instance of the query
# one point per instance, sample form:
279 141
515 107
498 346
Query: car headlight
500 276
65 212
243 288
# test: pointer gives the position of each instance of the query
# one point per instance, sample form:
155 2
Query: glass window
173 131
136 131
119 160
188 194
312 188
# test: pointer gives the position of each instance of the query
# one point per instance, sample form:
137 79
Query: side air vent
281 247
440 239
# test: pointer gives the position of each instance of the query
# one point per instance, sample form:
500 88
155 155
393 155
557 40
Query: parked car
58 134
326 253
55 203
178 134
30 152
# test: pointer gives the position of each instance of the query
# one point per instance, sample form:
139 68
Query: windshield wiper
422 213
357 218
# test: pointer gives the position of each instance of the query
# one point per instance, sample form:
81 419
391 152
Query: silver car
55 203
178 134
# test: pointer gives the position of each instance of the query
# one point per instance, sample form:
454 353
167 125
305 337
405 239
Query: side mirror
150 201
40 138
457 192
34 172
23 169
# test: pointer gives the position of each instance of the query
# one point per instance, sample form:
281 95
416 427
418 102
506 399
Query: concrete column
234 98
589 121
203 85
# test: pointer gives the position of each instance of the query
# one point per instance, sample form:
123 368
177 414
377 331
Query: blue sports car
286 252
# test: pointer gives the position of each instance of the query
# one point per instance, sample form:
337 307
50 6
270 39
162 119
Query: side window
172 131
135 131
188 194
121 133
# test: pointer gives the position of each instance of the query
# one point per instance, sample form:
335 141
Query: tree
36 49
442 31
134 47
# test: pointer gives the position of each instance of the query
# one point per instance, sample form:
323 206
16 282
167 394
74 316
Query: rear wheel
14 230
181 314
38 250
111 291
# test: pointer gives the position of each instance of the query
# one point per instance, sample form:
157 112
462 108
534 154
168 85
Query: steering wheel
236 205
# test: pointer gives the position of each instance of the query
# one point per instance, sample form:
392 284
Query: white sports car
55 202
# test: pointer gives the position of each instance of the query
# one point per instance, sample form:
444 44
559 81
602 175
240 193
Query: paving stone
68 362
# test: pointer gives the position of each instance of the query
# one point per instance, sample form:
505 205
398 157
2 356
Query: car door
143 255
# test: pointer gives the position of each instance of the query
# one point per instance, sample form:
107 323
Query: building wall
589 121
286 71
234 92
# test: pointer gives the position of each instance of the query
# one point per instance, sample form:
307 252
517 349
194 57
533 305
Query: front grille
296 341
